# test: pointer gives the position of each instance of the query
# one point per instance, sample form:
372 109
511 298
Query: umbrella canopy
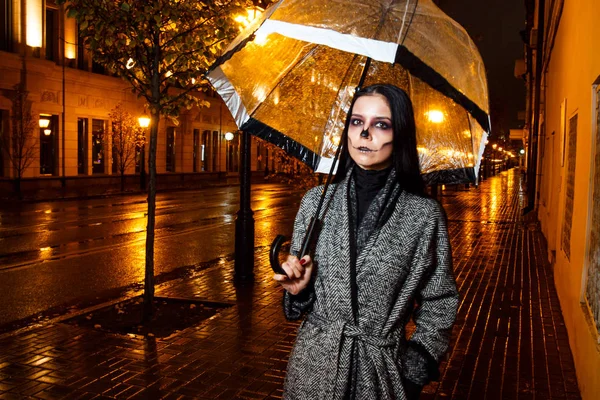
289 78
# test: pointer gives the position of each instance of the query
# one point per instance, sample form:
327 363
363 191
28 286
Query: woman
382 256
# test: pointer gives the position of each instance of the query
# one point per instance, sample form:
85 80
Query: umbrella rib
409 23
363 75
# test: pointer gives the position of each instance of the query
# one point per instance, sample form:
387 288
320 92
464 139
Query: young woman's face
373 151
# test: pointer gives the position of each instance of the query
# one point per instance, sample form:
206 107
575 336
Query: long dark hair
405 158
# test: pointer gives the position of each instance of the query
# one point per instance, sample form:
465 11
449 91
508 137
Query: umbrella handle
274 254
314 228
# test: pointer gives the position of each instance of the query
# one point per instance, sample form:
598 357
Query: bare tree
21 140
127 137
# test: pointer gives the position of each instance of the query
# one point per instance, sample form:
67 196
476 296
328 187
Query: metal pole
244 224
143 166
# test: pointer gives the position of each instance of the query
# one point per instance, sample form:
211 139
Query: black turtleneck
368 184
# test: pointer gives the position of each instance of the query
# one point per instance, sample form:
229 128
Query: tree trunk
154 115
122 181
149 273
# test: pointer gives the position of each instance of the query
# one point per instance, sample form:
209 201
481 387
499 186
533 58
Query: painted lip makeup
364 149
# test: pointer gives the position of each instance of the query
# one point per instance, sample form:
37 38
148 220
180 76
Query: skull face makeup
370 134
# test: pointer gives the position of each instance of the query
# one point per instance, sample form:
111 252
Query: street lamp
244 223
144 122
44 122
435 116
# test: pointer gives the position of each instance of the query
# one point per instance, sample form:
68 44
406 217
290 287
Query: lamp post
144 124
244 224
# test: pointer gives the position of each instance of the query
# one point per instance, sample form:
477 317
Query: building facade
72 97
564 148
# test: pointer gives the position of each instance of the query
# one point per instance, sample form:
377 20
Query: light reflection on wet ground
56 253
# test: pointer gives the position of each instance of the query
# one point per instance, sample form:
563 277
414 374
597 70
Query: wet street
66 252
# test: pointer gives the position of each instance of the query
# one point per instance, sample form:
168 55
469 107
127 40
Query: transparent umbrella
289 78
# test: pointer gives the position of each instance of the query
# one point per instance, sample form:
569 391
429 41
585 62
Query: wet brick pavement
509 342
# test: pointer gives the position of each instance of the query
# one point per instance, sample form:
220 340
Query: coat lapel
336 274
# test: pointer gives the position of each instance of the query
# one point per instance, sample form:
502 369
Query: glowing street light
144 122
435 116
252 14
44 122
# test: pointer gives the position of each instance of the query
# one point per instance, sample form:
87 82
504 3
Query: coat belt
350 330
336 382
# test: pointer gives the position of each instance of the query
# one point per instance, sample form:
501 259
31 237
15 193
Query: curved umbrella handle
274 254
314 228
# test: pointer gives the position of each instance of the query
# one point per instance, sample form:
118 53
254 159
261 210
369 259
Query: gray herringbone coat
405 268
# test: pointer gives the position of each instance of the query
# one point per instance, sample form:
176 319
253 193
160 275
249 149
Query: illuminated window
49 147
34 24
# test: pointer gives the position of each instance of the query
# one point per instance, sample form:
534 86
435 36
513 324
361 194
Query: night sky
494 26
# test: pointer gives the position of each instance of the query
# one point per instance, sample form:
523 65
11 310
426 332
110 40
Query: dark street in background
56 255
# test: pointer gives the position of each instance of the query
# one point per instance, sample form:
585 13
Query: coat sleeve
295 305
437 303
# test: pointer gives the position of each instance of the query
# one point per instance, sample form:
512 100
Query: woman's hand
298 274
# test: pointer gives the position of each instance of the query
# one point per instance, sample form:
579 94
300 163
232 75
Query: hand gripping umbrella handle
314 227
311 234
274 254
